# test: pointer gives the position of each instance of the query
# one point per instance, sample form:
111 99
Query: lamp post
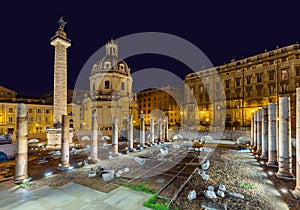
207 121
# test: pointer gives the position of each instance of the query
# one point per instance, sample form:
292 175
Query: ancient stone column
272 148
61 43
142 130
259 130
252 129
285 144
65 153
159 130
255 131
296 192
22 144
152 131
264 139
130 132
166 128
115 136
94 149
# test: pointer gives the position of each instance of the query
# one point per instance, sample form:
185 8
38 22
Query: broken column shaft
21 165
152 131
255 130
130 132
264 138
115 136
285 145
166 128
94 149
252 129
272 148
296 192
159 130
65 154
142 130
259 130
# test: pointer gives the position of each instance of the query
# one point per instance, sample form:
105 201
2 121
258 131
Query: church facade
110 92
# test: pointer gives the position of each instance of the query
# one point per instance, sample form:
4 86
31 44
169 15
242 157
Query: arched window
106 84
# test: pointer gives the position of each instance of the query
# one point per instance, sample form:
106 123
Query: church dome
111 62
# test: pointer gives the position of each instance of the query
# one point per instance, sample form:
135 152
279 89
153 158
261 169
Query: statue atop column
61 23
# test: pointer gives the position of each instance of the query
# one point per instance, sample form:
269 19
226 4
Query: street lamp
207 123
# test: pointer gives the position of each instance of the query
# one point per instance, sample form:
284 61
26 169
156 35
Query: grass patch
140 187
157 203
247 186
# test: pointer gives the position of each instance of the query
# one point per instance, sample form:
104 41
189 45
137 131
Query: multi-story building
248 84
166 99
40 113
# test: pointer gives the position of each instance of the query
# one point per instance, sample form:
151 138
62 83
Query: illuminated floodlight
270 172
71 167
262 162
48 174
283 190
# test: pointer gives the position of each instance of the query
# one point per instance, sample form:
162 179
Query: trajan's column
61 43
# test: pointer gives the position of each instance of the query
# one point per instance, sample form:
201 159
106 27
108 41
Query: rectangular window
248 78
259 77
297 70
297 56
38 111
259 91
284 88
238 81
227 83
271 75
47 111
284 74
10 110
106 84
283 59
272 89
10 119
30 119
38 119
30 111
122 86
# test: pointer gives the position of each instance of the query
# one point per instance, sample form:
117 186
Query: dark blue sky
222 31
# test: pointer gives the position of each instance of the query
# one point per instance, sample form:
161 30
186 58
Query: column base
272 164
285 176
294 194
22 180
63 167
264 156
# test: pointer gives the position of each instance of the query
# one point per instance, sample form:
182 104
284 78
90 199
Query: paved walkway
70 196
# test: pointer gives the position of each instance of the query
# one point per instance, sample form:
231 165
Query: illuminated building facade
248 84
167 99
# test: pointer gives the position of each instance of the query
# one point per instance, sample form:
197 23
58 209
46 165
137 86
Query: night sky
223 31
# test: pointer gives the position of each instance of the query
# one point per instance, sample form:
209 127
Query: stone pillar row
271 137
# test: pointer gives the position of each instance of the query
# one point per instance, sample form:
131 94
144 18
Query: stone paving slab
70 196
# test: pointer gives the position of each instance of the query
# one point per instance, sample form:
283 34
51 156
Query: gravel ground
233 168
227 166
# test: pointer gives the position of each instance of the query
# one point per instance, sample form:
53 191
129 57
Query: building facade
167 99
110 92
248 84
40 113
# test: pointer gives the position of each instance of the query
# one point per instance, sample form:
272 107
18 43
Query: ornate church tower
61 43
111 90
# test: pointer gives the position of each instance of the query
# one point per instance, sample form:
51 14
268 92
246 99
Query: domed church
110 91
